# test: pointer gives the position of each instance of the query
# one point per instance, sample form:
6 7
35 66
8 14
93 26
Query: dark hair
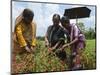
27 13
57 16
64 19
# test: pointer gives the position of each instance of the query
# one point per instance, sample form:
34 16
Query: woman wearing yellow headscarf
25 31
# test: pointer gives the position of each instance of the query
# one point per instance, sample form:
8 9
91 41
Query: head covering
26 13
18 19
64 19
56 16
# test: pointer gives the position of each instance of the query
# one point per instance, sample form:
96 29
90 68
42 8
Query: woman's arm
47 43
33 34
19 35
74 33
72 42
21 39
54 47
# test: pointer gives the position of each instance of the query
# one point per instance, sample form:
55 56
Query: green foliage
40 38
40 61
81 26
89 32
90 55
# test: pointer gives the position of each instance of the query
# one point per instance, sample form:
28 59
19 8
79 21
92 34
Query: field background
40 61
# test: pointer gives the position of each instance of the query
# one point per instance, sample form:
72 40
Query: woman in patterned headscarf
25 31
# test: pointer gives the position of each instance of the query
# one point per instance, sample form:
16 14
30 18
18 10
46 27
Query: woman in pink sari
77 41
